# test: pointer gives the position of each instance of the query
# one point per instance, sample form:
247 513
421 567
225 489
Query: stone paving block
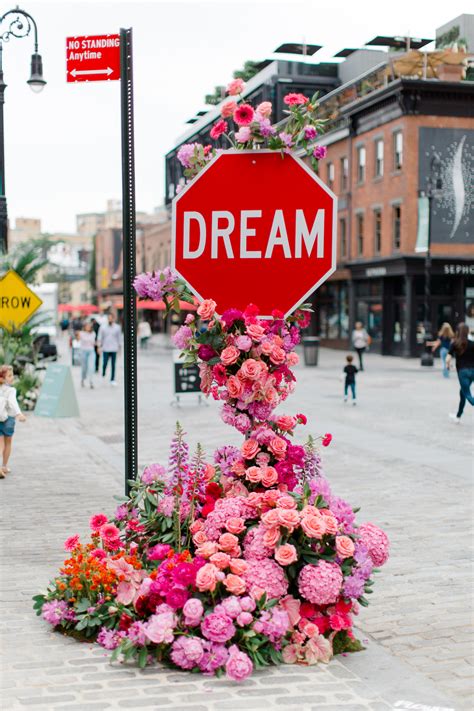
34 701
139 703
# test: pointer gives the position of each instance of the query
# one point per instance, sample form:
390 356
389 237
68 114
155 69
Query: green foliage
27 259
249 70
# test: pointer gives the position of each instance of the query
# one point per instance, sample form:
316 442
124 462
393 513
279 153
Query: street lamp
434 186
20 25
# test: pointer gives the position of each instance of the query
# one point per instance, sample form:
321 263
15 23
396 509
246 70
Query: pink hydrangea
254 548
218 627
267 575
233 507
376 542
239 665
321 583
187 652
154 472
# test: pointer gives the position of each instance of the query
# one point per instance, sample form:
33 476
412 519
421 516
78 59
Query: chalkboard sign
186 380
57 397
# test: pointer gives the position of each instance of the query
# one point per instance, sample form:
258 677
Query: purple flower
242 423
353 586
121 512
218 627
153 472
310 133
182 337
320 152
136 634
214 657
225 457
54 612
109 639
185 153
206 352
286 138
187 652
140 284
266 128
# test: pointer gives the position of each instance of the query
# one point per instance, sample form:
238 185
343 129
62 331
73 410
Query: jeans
106 356
360 351
86 357
466 377
352 386
443 352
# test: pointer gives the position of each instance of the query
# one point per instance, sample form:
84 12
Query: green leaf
142 657
83 604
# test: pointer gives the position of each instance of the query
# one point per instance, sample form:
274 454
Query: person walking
360 341
443 342
463 350
110 338
96 328
9 412
350 382
144 333
87 342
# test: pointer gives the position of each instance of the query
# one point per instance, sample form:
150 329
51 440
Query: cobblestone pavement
395 454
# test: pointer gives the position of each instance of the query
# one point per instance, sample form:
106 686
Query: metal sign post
129 258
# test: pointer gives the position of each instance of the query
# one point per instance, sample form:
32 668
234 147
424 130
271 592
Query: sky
62 147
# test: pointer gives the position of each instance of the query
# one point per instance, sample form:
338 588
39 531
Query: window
397 220
379 158
360 233
361 164
343 233
331 175
397 150
377 231
344 173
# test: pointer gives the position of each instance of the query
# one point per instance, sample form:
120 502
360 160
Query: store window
330 169
361 158
397 150
343 233
379 158
377 231
397 226
344 173
360 233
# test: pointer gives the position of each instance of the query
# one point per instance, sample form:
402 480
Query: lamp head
36 81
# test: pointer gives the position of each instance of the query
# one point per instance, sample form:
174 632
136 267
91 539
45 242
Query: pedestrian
144 333
110 338
77 323
350 370
463 350
96 328
87 341
360 341
9 412
443 342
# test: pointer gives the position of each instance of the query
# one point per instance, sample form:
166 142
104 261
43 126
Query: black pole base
427 359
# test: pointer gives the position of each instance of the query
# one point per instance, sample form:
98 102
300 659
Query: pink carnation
321 583
376 542
71 542
218 129
96 521
267 575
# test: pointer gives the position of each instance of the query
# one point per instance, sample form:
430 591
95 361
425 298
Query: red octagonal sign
255 227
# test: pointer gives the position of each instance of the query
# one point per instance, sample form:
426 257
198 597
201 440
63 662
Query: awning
159 305
82 308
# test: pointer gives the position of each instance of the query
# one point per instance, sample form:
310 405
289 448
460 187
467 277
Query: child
350 371
9 412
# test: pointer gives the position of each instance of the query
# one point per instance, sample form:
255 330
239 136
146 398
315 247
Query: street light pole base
427 359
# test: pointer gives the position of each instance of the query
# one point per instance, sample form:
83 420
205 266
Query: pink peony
244 115
187 652
227 109
96 521
218 129
71 542
193 611
376 542
235 87
244 343
160 627
320 584
218 627
239 665
207 309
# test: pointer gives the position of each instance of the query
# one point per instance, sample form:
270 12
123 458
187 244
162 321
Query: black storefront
388 297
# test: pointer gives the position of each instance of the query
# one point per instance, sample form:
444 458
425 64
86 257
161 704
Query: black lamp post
20 25
434 186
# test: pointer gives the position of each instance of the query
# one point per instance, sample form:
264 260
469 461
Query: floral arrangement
233 564
248 127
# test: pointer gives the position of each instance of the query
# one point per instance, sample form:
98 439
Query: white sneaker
113 383
456 420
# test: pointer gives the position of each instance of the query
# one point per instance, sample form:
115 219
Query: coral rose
264 109
255 332
206 577
286 502
292 358
267 347
250 369
235 584
250 448
278 355
331 522
206 309
286 554
278 447
207 549
289 518
199 538
227 109
269 476
238 566
254 475
271 536
313 526
271 518
344 546
286 423
234 387
220 560
228 541
235 525
230 355
235 87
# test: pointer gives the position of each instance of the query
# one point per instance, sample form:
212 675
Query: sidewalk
395 454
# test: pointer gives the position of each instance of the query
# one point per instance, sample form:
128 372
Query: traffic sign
93 58
255 227
18 302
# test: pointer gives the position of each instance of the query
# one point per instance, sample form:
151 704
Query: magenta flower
320 152
218 129
71 542
239 665
244 115
187 652
218 627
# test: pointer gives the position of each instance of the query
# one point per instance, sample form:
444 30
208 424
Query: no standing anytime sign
93 58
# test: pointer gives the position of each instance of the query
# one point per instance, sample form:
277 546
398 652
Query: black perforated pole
129 252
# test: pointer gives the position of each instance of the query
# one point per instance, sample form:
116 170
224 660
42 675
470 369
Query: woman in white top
360 341
87 339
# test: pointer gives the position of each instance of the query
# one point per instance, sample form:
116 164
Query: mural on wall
453 211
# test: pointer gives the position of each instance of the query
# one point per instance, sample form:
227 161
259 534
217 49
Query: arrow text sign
93 58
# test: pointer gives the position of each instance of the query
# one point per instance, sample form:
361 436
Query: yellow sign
17 302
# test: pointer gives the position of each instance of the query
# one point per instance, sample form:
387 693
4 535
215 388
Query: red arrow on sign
93 58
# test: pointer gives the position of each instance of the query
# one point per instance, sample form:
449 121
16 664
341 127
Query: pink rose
310 511
344 546
250 369
254 475
235 584
271 518
238 566
235 525
313 526
250 448
243 134
331 522
230 355
199 538
228 541
286 554
220 560
289 518
271 537
234 387
255 332
286 423
278 355
227 109
196 525
269 476
286 502
206 577
267 347
207 549
235 87
270 497
264 109
206 309
278 447
292 358
238 468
